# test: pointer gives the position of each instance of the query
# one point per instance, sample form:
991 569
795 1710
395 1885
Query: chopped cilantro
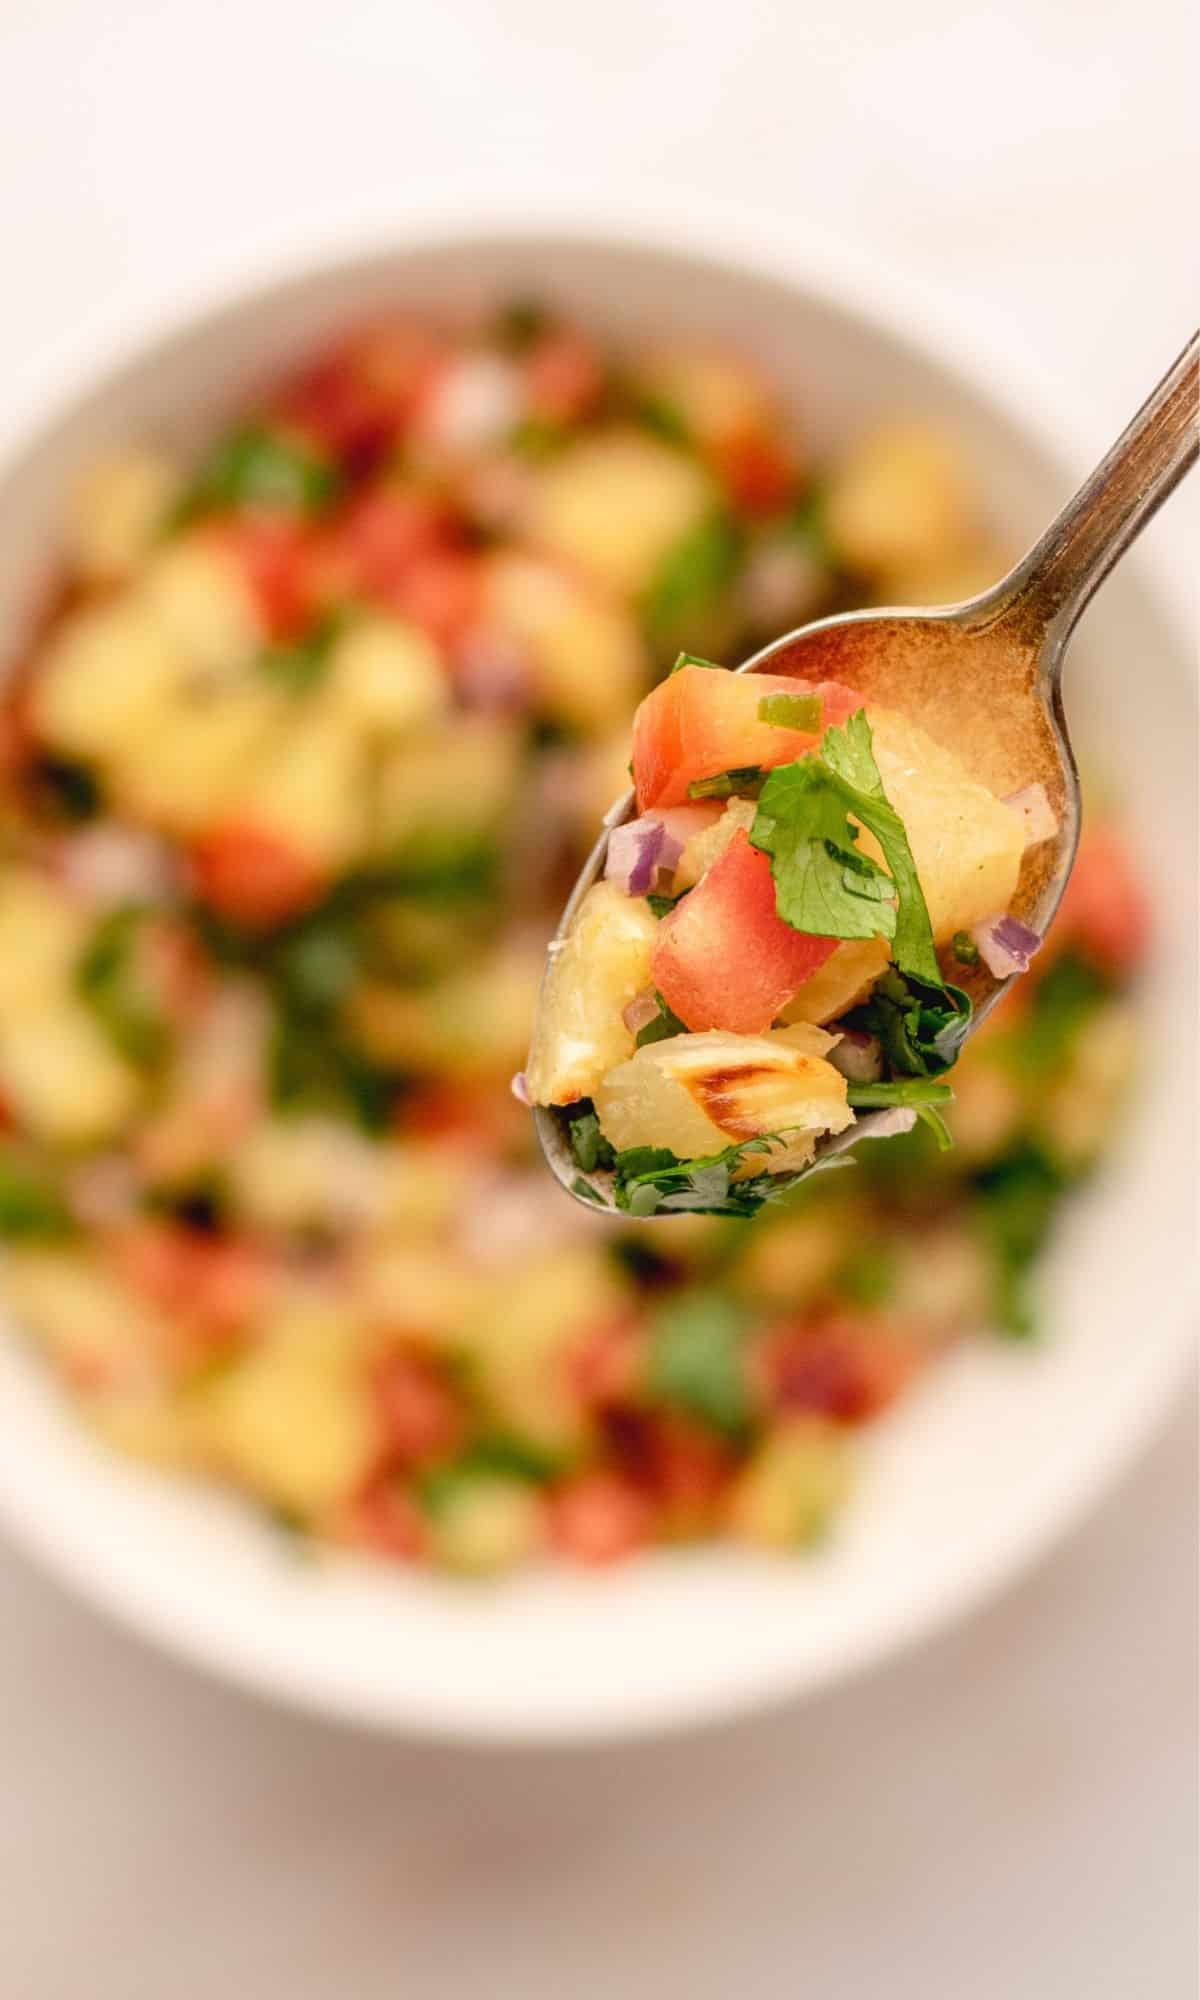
662 1027
867 1275
650 1180
902 1090
791 711
662 416
964 947
536 438
31 1208
302 665
744 780
693 576
589 1147
662 906
697 1358
1018 1195
107 978
921 1027
823 884
260 469
1068 991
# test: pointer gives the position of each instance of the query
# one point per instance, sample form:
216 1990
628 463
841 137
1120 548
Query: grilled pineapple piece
697 1094
616 504
103 679
445 790
603 964
99 1332
842 982
199 598
792 1486
585 652
292 1419
63 1079
714 394
41 938
117 511
898 502
385 677
518 1340
187 771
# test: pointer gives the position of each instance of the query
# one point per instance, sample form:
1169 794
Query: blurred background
1014 1809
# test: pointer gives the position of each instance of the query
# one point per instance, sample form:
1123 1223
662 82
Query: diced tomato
420 1416
253 877
599 1517
604 1367
835 1367
757 473
724 958
386 1519
211 1285
702 721
274 553
443 593
562 377
1104 910
682 1467
359 397
378 539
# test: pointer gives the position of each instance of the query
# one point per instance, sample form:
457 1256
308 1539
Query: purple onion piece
640 1012
1006 945
520 1089
636 851
857 1057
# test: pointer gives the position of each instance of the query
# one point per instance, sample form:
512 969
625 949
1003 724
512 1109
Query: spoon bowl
984 677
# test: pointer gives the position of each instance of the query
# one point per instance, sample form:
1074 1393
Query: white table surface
1013 1810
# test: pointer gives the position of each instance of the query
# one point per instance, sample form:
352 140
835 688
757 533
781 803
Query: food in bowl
296 769
761 961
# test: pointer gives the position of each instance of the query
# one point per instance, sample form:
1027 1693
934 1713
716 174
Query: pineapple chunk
41 937
602 964
186 772
102 682
966 842
710 843
117 511
586 653
198 597
411 1289
616 504
385 677
697 1094
293 1420
101 1334
898 502
63 1078
518 1341
441 792
789 1491
483 1522
311 792
306 1172
473 1024
841 983
715 394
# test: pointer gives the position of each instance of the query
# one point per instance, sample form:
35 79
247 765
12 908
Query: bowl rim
809 262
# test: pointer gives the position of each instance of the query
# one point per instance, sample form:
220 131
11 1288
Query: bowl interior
994 1453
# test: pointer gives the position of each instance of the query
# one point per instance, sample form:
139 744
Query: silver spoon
986 677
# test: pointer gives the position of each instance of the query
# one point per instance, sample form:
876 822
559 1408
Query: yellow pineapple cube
616 503
601 965
697 1094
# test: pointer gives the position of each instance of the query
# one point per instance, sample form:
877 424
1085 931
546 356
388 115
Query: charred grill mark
723 1094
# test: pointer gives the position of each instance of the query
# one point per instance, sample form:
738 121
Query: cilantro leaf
697 1359
823 884
694 660
31 1207
1017 1196
664 1025
901 1090
589 1147
920 1027
650 1180
260 469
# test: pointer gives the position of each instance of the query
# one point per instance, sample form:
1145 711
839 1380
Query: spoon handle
1044 595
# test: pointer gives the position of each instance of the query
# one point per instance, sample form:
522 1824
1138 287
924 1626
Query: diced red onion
110 864
891 1123
520 1089
637 850
1006 945
1041 820
476 401
640 1012
858 1058
492 674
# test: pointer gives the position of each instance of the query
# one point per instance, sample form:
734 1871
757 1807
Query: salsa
295 771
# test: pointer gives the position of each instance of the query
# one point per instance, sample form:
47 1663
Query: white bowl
1004 1446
